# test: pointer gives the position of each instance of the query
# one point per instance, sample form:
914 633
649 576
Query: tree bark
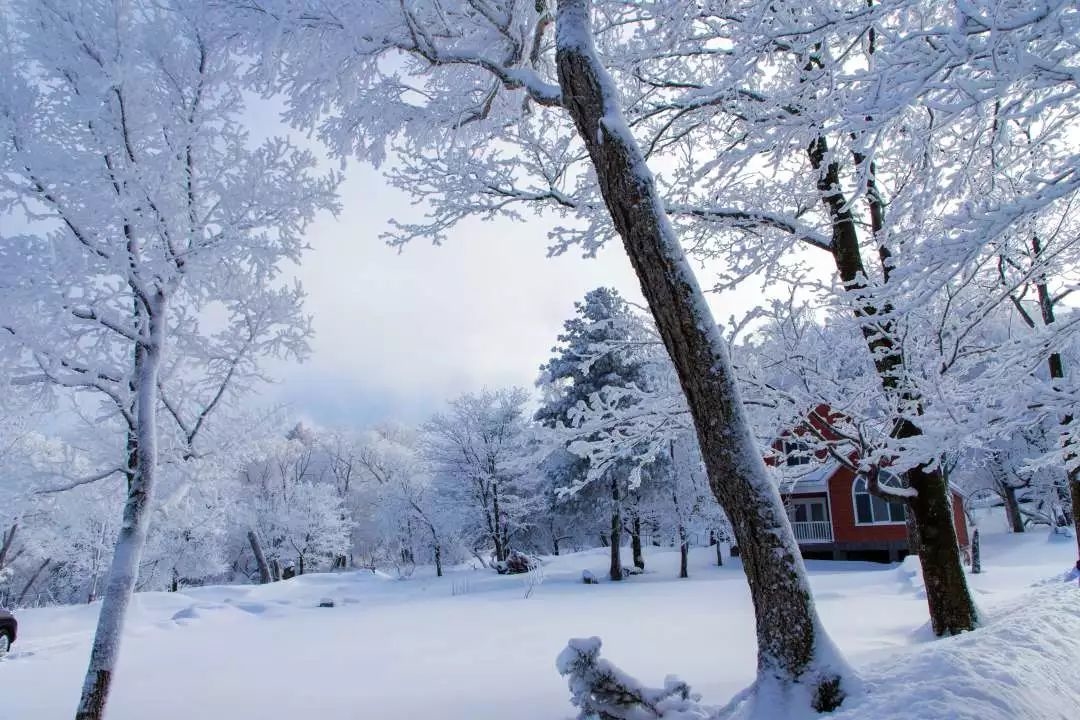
976 559
635 543
7 543
260 557
1012 508
615 571
30 583
275 570
930 528
136 519
684 553
792 646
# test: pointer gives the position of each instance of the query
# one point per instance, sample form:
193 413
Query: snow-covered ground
475 646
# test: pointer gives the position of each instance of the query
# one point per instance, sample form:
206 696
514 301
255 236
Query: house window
873 510
809 511
797 453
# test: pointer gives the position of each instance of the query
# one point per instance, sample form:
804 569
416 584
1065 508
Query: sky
399 334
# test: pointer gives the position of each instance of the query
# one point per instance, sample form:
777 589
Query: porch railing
813 532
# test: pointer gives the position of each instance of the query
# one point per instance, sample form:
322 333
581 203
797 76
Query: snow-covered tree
154 236
601 350
480 457
455 88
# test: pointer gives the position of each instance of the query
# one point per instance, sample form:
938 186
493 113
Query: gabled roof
812 478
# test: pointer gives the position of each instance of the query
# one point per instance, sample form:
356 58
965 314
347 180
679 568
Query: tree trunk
684 552
1074 493
136 519
719 552
438 560
1012 508
930 527
615 571
792 647
976 560
8 540
496 535
275 570
30 583
952 609
260 557
635 543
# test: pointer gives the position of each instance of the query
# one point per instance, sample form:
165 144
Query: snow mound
1021 664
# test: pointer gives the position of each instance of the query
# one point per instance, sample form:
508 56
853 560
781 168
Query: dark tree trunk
438 560
976 560
1074 493
930 528
719 553
260 557
790 643
275 570
7 540
33 579
1012 508
684 553
615 571
496 534
635 543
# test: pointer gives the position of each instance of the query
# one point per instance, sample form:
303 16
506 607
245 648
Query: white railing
811 532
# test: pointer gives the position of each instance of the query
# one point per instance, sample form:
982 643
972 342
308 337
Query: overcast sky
398 334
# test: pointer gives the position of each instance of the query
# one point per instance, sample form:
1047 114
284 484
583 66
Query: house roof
812 478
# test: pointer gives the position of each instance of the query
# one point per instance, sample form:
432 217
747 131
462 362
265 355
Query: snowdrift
1020 665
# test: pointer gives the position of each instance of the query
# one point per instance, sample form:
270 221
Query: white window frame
884 479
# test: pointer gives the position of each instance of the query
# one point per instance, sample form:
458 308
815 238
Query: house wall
845 529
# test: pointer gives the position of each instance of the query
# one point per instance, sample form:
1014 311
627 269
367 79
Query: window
797 453
873 510
809 511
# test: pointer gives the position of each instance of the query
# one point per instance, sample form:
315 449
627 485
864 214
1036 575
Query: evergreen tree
600 349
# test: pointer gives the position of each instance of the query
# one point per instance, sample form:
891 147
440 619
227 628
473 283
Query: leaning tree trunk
615 571
930 525
792 646
33 579
1012 508
260 557
635 543
136 519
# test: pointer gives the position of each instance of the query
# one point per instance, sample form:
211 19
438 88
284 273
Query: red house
833 515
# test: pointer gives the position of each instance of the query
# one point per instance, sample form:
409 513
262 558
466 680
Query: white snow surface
472 645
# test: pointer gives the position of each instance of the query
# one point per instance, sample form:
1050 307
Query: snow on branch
603 691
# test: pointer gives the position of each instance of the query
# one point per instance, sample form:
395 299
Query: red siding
959 519
842 508
843 512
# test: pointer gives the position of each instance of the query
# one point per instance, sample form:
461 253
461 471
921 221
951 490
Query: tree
147 210
478 452
406 502
493 82
600 351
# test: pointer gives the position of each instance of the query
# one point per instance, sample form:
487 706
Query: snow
471 645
